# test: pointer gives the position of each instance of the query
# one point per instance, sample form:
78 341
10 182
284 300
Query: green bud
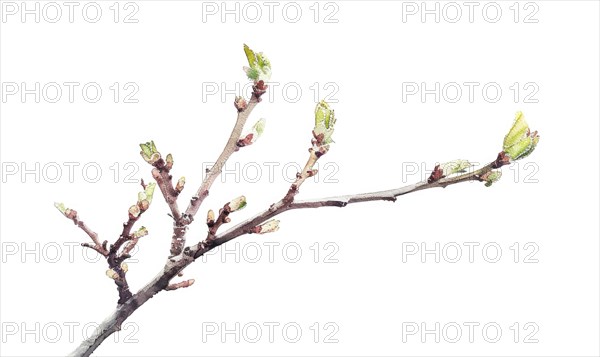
147 194
254 134
324 122
150 191
142 232
520 141
491 177
237 204
536 140
257 130
456 166
259 127
67 212
169 162
260 67
149 152
61 207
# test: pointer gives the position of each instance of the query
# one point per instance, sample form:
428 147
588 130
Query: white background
372 291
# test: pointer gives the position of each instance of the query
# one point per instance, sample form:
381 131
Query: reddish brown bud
436 174
71 213
245 141
259 88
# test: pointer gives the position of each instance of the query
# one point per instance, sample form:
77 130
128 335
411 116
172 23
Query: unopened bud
134 212
491 177
169 162
324 123
237 204
240 104
69 213
145 197
144 205
256 132
268 227
210 217
112 274
142 232
180 184
456 166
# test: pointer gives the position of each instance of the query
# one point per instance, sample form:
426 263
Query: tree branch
518 143
114 256
244 111
247 226
175 265
228 150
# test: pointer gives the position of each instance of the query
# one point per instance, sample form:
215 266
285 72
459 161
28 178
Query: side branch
71 214
247 226
228 150
244 111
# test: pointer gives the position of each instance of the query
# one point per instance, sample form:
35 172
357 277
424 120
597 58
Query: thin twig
97 246
307 172
180 227
216 169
